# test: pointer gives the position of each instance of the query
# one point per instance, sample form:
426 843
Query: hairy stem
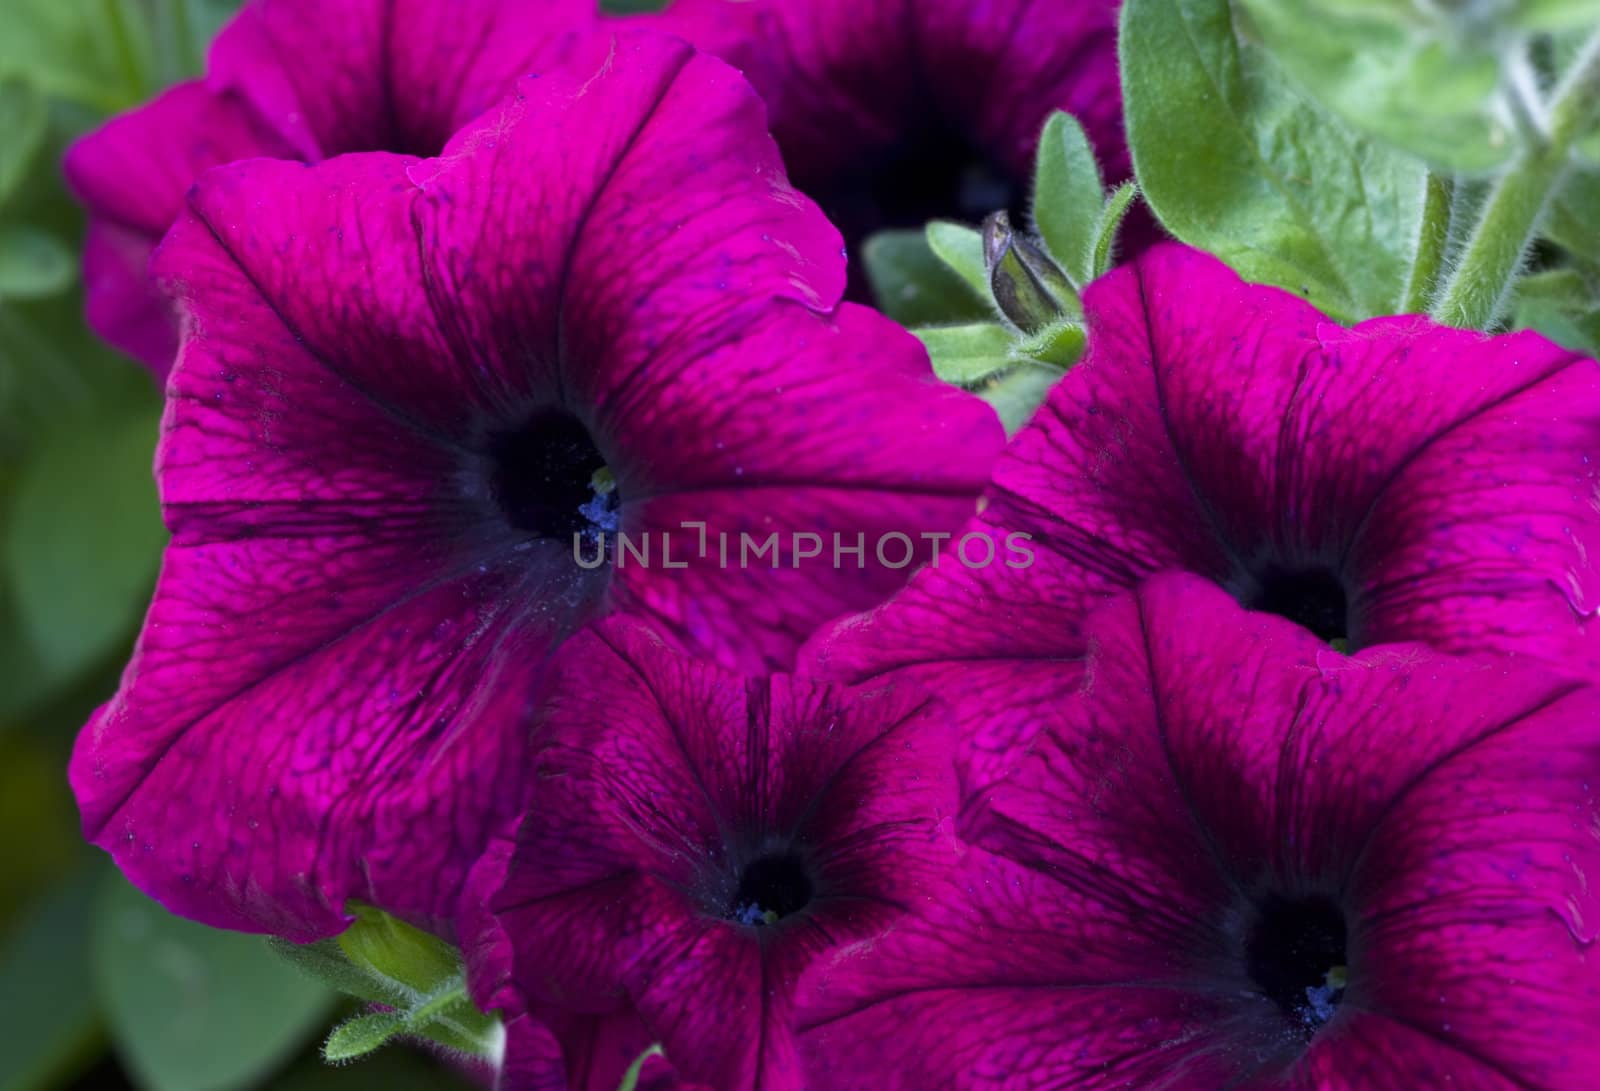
1477 289
1432 242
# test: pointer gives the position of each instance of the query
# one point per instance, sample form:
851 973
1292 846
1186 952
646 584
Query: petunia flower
416 403
1397 481
1237 858
295 79
896 112
696 840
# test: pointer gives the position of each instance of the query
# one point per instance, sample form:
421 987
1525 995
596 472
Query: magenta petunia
415 400
696 840
1238 858
896 112
1398 481
296 79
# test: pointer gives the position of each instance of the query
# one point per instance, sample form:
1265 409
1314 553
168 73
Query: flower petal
132 174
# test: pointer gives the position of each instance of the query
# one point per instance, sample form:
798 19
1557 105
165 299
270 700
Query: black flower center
1295 955
771 888
1310 597
549 479
931 174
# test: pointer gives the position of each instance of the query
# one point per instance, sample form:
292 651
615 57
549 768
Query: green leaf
33 264
23 121
99 55
1068 196
967 354
1562 305
47 1006
398 952
1574 221
1016 394
359 1036
1420 76
961 248
1106 229
915 288
193 1008
1236 161
83 539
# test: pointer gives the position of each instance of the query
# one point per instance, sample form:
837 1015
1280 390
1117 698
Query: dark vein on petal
1433 766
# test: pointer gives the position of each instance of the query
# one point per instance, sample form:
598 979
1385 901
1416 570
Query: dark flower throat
930 175
1295 955
1313 598
545 478
771 888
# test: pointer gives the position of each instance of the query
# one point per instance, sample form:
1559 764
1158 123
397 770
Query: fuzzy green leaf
1235 160
961 249
1016 394
967 354
1068 196
913 286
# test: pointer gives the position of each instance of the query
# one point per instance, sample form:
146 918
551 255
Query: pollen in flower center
1313 598
550 480
1295 955
771 888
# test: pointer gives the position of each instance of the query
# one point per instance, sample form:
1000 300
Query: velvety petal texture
895 112
696 840
1278 867
413 397
1395 481
298 79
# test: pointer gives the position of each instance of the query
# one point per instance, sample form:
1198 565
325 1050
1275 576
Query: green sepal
1061 343
1109 225
419 977
398 952
630 1078
913 286
1068 197
361 1035
968 354
326 961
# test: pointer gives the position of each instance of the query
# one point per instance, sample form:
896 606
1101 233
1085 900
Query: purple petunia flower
1237 858
409 390
295 79
696 840
896 112
1398 481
